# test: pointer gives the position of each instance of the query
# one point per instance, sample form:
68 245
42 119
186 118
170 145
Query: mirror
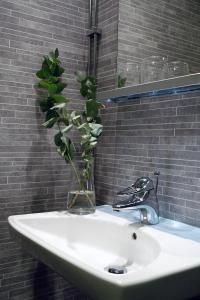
157 39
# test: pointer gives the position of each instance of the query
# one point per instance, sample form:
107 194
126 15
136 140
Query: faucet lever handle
127 191
157 174
142 184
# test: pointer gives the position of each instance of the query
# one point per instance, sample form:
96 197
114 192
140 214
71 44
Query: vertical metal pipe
89 37
95 3
93 37
95 56
95 13
89 56
90 13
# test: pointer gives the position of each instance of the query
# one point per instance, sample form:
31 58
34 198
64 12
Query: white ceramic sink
160 262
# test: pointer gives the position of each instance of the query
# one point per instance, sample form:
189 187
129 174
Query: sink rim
121 280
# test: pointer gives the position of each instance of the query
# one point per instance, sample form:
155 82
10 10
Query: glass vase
81 199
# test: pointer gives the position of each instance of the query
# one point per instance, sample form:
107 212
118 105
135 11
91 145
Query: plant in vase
87 123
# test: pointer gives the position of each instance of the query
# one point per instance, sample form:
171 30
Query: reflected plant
58 116
121 81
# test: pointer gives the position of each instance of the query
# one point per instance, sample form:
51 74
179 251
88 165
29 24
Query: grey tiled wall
162 133
151 134
108 47
159 27
32 177
158 133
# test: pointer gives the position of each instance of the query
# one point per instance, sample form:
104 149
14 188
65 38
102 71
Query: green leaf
65 146
67 128
85 138
73 114
70 149
45 104
88 86
91 81
43 84
93 139
88 83
76 119
61 71
84 128
58 71
42 74
57 139
79 76
46 68
121 81
60 87
51 114
83 90
65 140
96 129
92 108
61 105
50 123
53 79
64 121
60 99
93 145
63 149
48 61
52 88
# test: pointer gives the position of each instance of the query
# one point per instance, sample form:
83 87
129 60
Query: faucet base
147 217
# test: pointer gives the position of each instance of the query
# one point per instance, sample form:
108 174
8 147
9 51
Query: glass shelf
168 86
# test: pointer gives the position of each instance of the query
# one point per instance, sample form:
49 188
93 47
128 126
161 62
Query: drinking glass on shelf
128 74
153 68
176 68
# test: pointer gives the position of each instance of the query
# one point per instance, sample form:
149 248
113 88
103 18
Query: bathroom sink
111 256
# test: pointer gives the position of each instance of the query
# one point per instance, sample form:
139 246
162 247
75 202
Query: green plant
121 81
57 115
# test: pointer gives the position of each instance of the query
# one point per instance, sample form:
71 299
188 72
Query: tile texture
159 27
32 176
108 47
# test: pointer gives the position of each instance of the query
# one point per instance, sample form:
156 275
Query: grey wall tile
157 28
107 58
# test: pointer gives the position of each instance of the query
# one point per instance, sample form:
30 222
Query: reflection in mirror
157 39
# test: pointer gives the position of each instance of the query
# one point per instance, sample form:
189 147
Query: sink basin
111 256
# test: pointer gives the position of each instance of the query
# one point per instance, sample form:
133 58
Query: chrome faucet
142 196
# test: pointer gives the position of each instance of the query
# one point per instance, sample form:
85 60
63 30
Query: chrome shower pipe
90 13
95 42
93 34
89 40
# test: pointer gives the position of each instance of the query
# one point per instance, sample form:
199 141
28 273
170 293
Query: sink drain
116 269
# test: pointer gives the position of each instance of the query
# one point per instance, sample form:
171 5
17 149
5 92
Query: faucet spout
149 214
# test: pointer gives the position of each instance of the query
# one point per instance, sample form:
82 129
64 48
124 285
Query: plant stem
80 184
78 177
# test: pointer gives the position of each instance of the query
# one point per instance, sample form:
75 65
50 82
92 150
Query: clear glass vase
81 199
